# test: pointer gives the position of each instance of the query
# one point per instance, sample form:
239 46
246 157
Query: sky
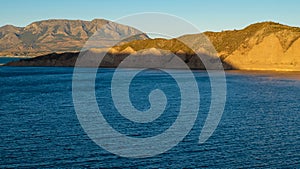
209 15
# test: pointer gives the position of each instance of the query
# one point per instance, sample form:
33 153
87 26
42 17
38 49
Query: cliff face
59 36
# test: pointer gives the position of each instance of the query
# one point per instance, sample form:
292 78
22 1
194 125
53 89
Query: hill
260 46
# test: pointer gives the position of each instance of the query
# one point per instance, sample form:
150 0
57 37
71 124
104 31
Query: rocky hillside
59 36
150 53
260 46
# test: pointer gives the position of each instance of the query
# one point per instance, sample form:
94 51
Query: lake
4 59
260 126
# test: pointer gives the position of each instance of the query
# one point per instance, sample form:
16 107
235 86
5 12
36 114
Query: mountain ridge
58 35
259 46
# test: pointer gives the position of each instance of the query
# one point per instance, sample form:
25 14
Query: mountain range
50 36
260 46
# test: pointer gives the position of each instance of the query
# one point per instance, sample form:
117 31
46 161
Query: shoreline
290 75
17 57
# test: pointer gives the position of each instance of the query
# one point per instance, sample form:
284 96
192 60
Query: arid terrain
260 46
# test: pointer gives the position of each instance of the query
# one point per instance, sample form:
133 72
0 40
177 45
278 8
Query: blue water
260 126
4 60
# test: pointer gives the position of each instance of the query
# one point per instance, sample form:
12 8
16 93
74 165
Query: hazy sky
212 15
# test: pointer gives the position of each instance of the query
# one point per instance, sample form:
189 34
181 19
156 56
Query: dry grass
229 41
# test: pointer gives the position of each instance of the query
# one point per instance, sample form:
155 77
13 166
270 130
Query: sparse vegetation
229 41
172 45
42 36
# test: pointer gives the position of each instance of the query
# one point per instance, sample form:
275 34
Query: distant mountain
260 46
59 36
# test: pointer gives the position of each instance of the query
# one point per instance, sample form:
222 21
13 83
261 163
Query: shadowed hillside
151 53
